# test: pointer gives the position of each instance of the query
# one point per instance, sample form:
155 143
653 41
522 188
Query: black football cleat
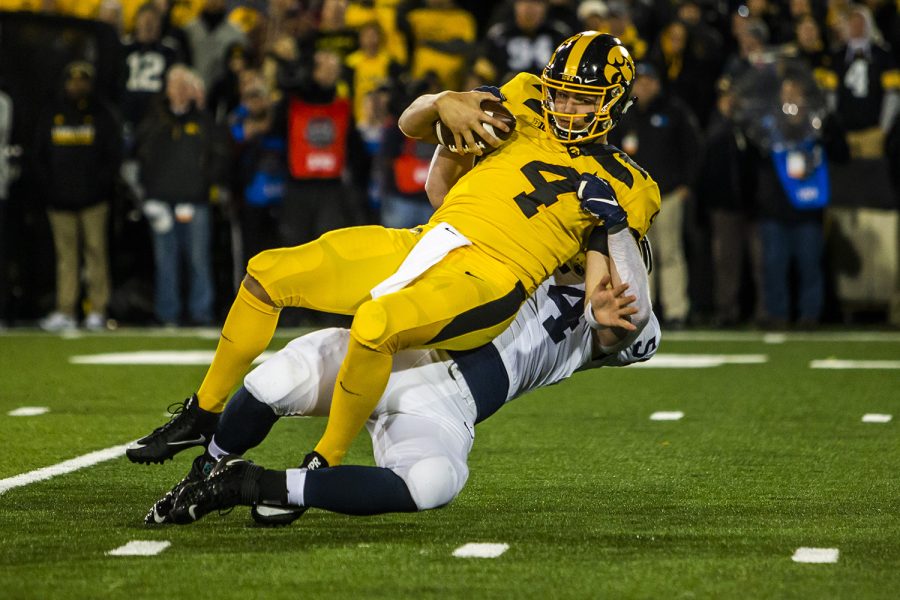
189 426
278 516
159 513
233 481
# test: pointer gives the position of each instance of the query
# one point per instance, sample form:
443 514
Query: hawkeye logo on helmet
619 66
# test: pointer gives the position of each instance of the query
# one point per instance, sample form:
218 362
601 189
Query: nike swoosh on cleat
158 518
274 511
198 441
191 511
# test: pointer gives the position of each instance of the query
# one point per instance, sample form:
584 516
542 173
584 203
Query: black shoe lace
179 407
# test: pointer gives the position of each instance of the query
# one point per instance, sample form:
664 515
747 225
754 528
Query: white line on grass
152 357
140 548
836 363
700 361
667 415
876 418
28 411
62 468
757 336
475 550
816 555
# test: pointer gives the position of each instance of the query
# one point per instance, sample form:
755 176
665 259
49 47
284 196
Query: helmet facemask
596 123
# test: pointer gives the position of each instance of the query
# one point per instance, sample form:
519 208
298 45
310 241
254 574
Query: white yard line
28 411
667 415
876 418
476 550
699 361
837 363
153 357
773 337
816 555
140 548
62 468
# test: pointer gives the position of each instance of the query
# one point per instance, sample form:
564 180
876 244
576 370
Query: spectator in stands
260 174
522 43
110 12
752 37
403 165
323 150
225 94
776 19
688 66
332 32
172 33
868 93
147 58
182 154
77 151
810 47
725 190
209 36
615 18
792 191
662 135
369 68
441 36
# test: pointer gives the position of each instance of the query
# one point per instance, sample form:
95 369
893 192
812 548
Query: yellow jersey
519 203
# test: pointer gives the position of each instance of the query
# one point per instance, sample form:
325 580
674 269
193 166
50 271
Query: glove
599 200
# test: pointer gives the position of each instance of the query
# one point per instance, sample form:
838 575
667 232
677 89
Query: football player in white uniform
423 428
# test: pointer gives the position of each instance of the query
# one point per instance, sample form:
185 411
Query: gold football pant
462 302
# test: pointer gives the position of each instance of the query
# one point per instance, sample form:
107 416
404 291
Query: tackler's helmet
587 64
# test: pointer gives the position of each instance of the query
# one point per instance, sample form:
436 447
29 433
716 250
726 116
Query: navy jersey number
570 302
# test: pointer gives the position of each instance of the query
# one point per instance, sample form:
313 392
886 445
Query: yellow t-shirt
440 25
368 74
519 205
385 13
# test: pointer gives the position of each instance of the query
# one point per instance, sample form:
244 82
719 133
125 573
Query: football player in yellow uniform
457 281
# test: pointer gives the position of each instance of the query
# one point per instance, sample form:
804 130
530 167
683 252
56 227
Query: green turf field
594 499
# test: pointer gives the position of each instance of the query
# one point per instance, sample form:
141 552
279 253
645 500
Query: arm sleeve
643 348
626 256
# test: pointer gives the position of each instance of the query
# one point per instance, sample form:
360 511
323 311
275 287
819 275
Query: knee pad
299 378
434 482
370 324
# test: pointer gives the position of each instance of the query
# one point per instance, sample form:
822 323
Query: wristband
589 316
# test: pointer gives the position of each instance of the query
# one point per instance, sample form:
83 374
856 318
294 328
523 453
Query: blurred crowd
209 130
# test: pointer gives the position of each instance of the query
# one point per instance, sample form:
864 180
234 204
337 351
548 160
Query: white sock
215 450
296 479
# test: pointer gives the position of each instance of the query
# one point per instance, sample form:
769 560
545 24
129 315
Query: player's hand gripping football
611 306
599 199
462 113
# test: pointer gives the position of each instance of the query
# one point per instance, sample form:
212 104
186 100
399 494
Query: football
494 108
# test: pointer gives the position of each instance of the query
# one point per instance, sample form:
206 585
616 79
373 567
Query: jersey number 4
570 302
546 190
